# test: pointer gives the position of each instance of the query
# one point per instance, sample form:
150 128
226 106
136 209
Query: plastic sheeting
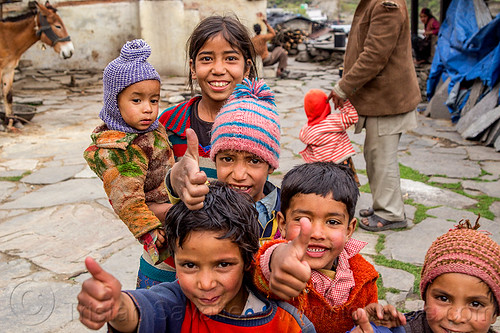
464 52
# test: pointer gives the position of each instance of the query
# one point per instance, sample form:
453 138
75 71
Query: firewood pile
480 117
422 76
289 39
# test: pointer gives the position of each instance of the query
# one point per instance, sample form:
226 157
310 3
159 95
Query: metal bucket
339 39
23 111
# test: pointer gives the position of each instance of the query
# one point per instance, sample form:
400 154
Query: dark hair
224 210
231 29
321 178
492 299
257 28
427 12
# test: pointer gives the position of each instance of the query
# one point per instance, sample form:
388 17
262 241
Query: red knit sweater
325 317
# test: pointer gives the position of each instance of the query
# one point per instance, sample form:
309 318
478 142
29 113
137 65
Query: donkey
17 34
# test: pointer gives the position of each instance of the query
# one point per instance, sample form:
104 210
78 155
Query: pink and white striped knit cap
248 122
466 251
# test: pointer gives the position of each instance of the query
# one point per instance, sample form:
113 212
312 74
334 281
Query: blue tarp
464 53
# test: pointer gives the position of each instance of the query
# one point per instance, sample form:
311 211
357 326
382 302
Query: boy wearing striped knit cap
460 285
324 134
245 146
130 152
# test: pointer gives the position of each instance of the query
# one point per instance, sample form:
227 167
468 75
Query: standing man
380 81
278 54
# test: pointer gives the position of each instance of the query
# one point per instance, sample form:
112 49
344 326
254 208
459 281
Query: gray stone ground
57 213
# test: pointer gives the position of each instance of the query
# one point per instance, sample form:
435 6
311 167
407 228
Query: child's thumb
97 272
192 144
302 240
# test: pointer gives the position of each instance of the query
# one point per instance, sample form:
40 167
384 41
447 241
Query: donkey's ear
33 6
49 6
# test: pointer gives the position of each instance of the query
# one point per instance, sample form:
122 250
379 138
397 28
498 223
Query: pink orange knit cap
249 121
466 251
316 106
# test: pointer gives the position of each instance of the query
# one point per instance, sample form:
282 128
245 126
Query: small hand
336 99
387 315
160 239
289 271
100 297
186 178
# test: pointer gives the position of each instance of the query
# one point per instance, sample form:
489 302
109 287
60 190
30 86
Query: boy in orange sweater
317 260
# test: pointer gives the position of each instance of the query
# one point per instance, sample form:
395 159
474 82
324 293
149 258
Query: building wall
246 10
329 7
99 29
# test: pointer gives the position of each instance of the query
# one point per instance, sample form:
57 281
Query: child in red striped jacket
324 134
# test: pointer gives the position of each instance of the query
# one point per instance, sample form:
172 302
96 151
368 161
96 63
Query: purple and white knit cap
466 251
129 68
248 122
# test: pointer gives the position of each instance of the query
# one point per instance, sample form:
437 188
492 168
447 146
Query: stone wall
99 28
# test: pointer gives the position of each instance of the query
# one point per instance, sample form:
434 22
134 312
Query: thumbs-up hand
289 271
100 297
186 178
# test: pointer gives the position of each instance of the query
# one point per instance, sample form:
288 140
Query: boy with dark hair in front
317 260
213 250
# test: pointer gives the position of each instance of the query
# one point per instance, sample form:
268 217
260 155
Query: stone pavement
54 212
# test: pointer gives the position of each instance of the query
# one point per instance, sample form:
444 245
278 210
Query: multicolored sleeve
123 168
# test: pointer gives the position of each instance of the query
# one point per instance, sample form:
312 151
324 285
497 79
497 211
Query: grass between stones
11 179
15 178
409 173
382 291
482 207
391 263
421 212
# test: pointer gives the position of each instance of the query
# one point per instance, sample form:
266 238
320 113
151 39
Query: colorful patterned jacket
132 168
324 316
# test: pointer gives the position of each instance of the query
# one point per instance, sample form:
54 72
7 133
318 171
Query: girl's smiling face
218 68
456 302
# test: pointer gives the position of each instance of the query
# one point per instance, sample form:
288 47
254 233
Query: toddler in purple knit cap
130 151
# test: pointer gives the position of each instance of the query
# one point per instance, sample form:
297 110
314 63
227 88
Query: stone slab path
54 212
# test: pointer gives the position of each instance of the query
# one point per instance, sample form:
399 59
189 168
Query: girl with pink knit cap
460 286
